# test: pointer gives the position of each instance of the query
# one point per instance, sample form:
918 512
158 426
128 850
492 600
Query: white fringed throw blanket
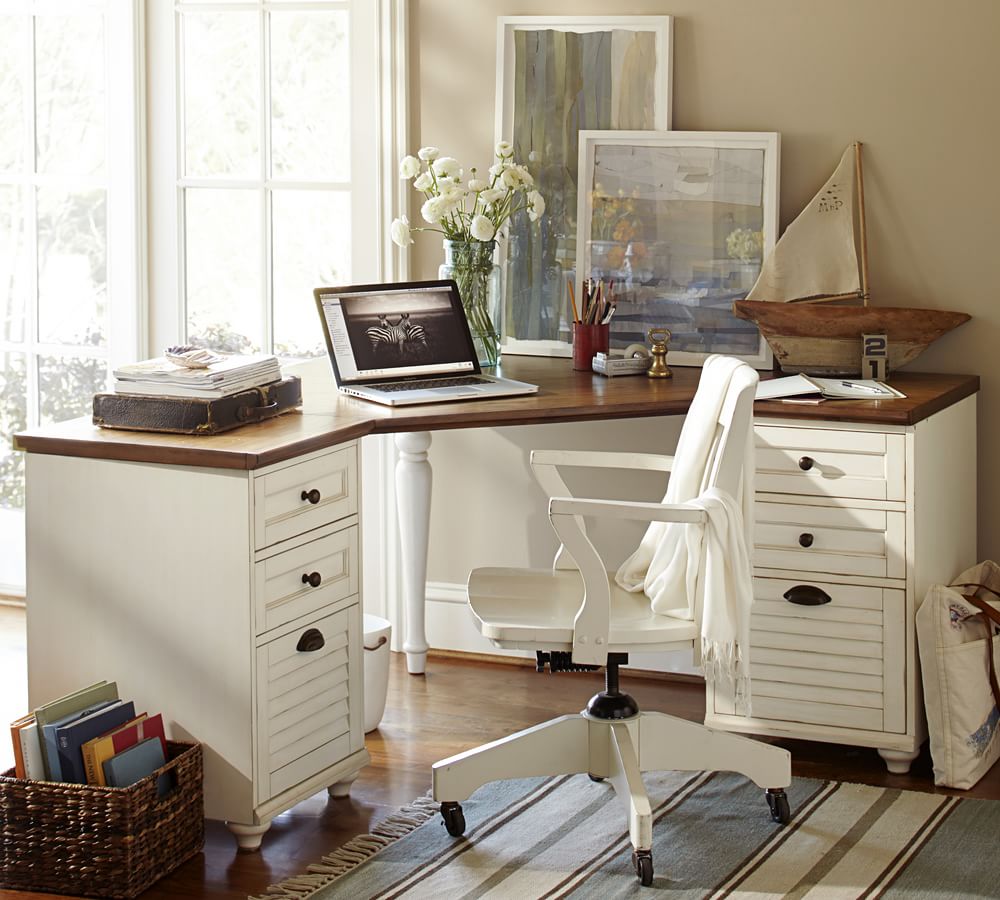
684 567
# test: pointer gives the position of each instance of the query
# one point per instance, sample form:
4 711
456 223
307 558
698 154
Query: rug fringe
353 853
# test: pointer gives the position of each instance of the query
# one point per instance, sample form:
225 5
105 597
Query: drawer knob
312 496
805 539
311 640
313 579
806 463
807 595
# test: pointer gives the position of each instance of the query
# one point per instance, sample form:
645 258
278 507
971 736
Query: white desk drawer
308 700
837 540
305 579
840 663
823 462
305 495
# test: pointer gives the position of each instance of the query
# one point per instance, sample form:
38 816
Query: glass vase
471 265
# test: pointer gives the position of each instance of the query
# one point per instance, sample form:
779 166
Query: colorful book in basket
64 710
135 763
97 751
71 738
15 739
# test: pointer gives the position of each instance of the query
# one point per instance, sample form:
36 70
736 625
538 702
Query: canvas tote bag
959 644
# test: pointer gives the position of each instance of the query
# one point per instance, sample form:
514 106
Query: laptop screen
396 331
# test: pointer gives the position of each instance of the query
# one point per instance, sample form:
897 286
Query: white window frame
168 318
123 180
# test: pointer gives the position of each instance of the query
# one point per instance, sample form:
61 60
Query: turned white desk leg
413 505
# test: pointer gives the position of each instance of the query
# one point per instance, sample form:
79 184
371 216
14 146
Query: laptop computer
405 343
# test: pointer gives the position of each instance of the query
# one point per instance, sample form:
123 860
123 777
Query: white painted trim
380 532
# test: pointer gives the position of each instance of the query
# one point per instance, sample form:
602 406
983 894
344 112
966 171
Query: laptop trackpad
456 390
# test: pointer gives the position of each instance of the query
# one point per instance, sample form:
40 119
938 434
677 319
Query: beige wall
915 80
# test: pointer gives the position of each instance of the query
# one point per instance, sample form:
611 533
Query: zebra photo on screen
402 338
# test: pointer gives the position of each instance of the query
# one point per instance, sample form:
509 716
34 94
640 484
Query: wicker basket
100 841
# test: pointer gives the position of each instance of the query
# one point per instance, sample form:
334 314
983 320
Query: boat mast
861 222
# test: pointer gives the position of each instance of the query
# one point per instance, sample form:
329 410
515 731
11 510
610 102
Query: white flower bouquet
466 211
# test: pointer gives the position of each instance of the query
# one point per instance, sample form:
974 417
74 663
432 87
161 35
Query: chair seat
534 609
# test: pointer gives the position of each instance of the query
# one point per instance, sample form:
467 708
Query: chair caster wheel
777 800
597 778
642 860
454 818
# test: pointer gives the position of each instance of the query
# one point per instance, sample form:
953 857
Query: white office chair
598 623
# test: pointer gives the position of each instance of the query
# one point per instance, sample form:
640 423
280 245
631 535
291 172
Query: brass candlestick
659 337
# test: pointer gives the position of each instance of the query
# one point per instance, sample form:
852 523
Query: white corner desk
217 579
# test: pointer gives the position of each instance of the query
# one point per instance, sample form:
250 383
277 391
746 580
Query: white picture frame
693 215
553 238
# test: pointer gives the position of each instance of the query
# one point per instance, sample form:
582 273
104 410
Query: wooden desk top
328 418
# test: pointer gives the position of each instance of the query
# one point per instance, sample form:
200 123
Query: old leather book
183 415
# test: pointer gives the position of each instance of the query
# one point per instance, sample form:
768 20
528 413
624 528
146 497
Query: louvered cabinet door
309 699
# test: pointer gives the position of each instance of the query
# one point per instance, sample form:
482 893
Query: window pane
66 386
15 45
13 418
70 97
14 273
72 266
312 247
221 87
224 253
310 87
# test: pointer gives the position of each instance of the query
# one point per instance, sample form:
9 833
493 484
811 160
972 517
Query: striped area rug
713 837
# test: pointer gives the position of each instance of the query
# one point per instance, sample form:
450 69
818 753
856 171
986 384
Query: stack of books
91 736
228 374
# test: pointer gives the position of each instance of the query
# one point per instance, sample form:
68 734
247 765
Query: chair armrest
545 465
603 459
626 509
592 624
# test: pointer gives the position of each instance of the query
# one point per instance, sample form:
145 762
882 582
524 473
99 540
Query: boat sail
816 261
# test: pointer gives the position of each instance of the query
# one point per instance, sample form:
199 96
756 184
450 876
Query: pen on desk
865 387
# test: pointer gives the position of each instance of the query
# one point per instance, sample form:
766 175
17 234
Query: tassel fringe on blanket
353 853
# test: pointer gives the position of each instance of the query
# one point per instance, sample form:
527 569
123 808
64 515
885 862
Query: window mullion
30 201
267 236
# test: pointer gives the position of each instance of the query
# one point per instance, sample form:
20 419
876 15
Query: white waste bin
377 633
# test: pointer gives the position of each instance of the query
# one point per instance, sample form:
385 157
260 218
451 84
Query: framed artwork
556 76
676 224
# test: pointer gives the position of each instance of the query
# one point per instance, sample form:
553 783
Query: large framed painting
675 224
556 76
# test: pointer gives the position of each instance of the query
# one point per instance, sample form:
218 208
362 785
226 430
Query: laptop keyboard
426 383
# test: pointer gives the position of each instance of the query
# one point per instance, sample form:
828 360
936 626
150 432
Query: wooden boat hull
826 340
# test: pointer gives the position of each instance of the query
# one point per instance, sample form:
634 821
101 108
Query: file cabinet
228 600
852 524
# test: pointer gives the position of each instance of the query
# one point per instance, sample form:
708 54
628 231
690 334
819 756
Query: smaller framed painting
675 224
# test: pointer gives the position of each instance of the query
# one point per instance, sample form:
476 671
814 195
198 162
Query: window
263 168
68 194
259 158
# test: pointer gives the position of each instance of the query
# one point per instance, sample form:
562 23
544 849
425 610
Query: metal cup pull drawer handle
312 496
805 539
312 639
313 579
806 463
807 595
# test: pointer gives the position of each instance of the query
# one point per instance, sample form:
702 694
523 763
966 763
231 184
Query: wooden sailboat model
814 262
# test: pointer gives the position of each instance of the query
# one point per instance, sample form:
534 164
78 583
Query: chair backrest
729 403
726 467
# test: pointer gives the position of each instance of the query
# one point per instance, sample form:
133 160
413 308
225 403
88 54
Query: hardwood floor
459 704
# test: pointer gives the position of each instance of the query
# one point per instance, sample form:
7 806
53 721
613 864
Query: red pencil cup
588 340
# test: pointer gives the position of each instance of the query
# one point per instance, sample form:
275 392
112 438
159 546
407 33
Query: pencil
572 299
